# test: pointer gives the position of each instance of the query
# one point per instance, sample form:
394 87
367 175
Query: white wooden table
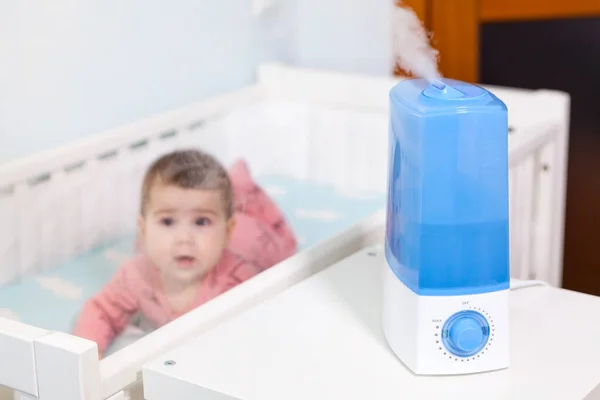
321 339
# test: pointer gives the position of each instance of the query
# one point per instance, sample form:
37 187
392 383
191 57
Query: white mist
412 50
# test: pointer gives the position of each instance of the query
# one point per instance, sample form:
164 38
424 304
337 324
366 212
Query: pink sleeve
105 315
262 234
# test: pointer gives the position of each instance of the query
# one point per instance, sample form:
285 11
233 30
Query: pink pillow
261 235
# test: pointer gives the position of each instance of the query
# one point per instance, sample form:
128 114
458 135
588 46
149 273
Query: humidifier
446 276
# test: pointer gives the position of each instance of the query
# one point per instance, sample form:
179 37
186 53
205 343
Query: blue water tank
447 227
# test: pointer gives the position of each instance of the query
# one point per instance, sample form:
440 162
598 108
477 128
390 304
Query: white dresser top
321 339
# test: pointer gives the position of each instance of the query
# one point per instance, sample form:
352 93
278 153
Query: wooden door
456 25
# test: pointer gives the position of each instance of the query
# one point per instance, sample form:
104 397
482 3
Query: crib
294 125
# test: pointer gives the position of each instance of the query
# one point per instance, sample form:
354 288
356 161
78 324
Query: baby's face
184 231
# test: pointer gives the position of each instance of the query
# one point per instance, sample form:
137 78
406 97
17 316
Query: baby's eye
167 221
203 221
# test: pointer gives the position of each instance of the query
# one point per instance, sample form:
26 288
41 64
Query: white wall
71 68
345 35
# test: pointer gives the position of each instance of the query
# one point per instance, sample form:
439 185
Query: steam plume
412 50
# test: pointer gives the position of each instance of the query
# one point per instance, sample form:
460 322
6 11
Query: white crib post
67 368
17 356
44 365
561 149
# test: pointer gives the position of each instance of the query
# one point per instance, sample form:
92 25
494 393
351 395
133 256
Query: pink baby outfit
261 239
136 287
262 234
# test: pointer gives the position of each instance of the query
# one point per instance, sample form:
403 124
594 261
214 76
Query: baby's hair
189 169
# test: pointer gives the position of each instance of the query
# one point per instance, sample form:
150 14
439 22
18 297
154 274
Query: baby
199 235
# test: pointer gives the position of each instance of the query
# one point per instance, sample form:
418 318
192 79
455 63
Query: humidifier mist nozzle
440 90
438 84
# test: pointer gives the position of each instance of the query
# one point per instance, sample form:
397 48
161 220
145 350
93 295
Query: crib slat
91 206
9 246
514 237
71 212
109 203
528 205
371 148
524 224
137 162
213 138
54 226
543 217
128 193
377 158
357 168
288 128
329 142
520 220
246 133
30 199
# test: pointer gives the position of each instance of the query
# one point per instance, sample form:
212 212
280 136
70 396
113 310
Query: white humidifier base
445 335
